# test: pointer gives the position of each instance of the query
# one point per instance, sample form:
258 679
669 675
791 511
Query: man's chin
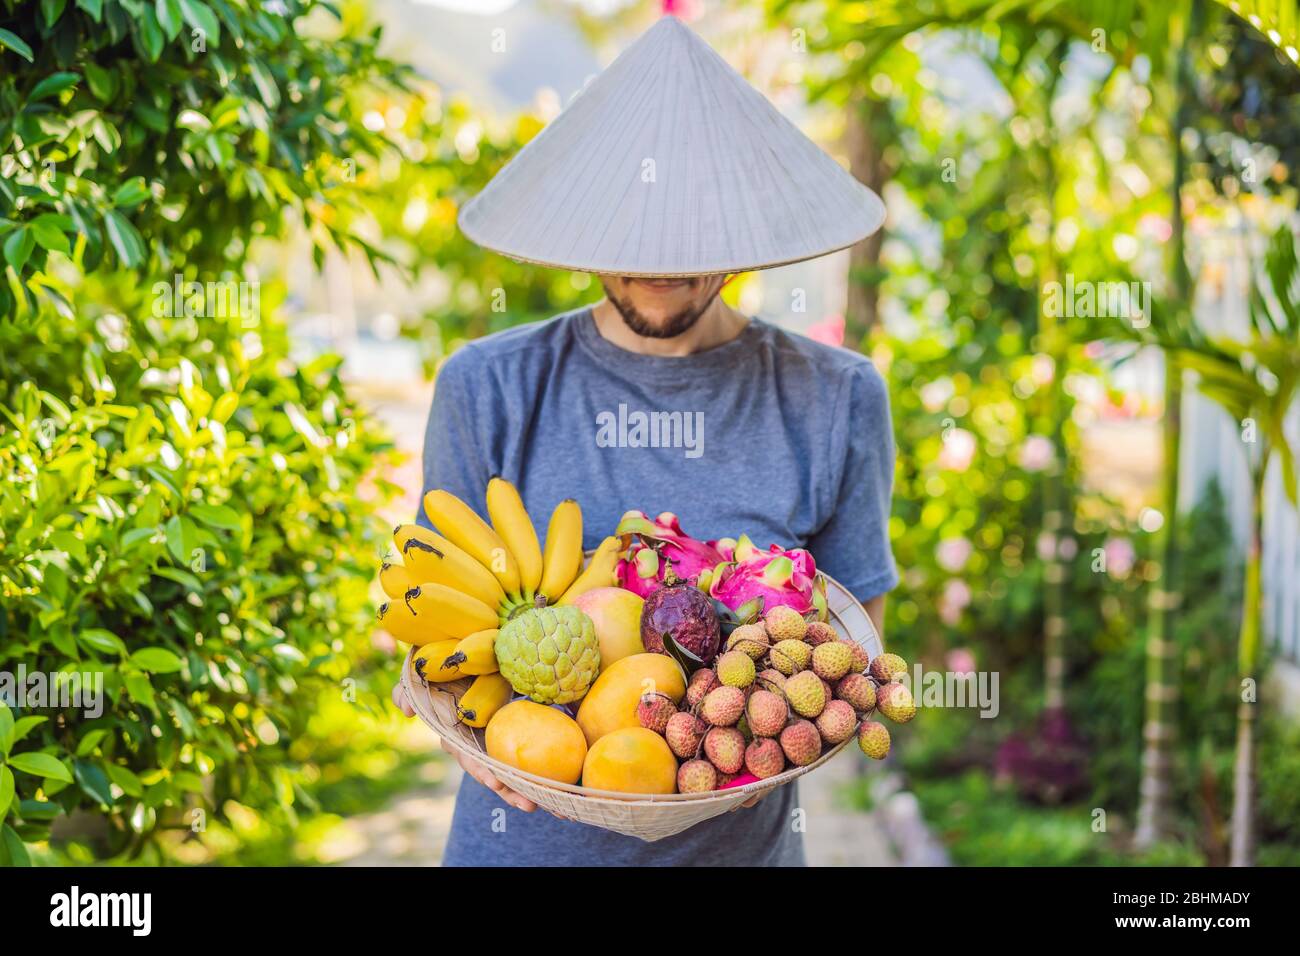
660 327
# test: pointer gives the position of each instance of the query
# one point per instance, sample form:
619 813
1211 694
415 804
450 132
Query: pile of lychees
780 692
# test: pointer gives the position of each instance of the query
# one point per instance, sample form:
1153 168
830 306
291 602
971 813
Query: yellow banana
428 662
470 533
395 580
563 557
510 520
432 558
599 572
488 694
399 620
452 612
475 655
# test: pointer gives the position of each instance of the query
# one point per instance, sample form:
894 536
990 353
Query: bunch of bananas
453 589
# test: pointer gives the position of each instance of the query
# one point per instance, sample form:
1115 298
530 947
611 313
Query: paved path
412 829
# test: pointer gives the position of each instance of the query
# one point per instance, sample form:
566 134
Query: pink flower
958 450
1120 557
1037 453
961 660
934 395
1042 369
954 599
1154 226
1046 546
953 553
829 331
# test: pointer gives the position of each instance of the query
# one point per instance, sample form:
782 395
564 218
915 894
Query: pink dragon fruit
772 577
662 544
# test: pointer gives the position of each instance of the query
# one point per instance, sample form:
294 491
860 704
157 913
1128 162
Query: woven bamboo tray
648 817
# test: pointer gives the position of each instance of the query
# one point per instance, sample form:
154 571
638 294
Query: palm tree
1256 380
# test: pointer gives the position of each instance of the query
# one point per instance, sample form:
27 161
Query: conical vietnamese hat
669 163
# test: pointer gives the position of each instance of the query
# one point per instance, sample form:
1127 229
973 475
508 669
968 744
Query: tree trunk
1243 768
1160 727
1052 341
868 166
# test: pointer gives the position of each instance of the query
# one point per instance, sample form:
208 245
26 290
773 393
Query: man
792 441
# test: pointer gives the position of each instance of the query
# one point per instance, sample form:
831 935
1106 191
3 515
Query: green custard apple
549 654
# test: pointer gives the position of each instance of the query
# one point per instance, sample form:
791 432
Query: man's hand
475 768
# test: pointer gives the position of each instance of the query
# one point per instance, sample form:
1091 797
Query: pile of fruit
667 664
781 693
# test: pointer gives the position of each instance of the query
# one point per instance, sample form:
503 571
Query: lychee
790 656
653 711
702 681
696 776
819 632
861 658
858 691
806 694
832 660
725 748
837 722
722 706
895 702
764 758
888 667
785 623
801 743
766 713
770 679
873 738
684 733
735 669
829 688
750 638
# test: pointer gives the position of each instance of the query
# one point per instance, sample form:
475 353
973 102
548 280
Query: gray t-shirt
780 437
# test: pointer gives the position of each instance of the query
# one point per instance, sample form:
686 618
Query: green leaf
265 84
18 247
7 735
53 85
6 790
14 849
151 35
157 660
102 82
183 578
200 16
52 10
24 726
126 241
94 7
128 782
93 781
40 765
169 17
45 229
104 641
140 690
217 516
10 41
131 193
87 744
181 539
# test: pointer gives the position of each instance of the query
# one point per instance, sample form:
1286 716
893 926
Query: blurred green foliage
185 511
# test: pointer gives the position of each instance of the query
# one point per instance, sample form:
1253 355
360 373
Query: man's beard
674 326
